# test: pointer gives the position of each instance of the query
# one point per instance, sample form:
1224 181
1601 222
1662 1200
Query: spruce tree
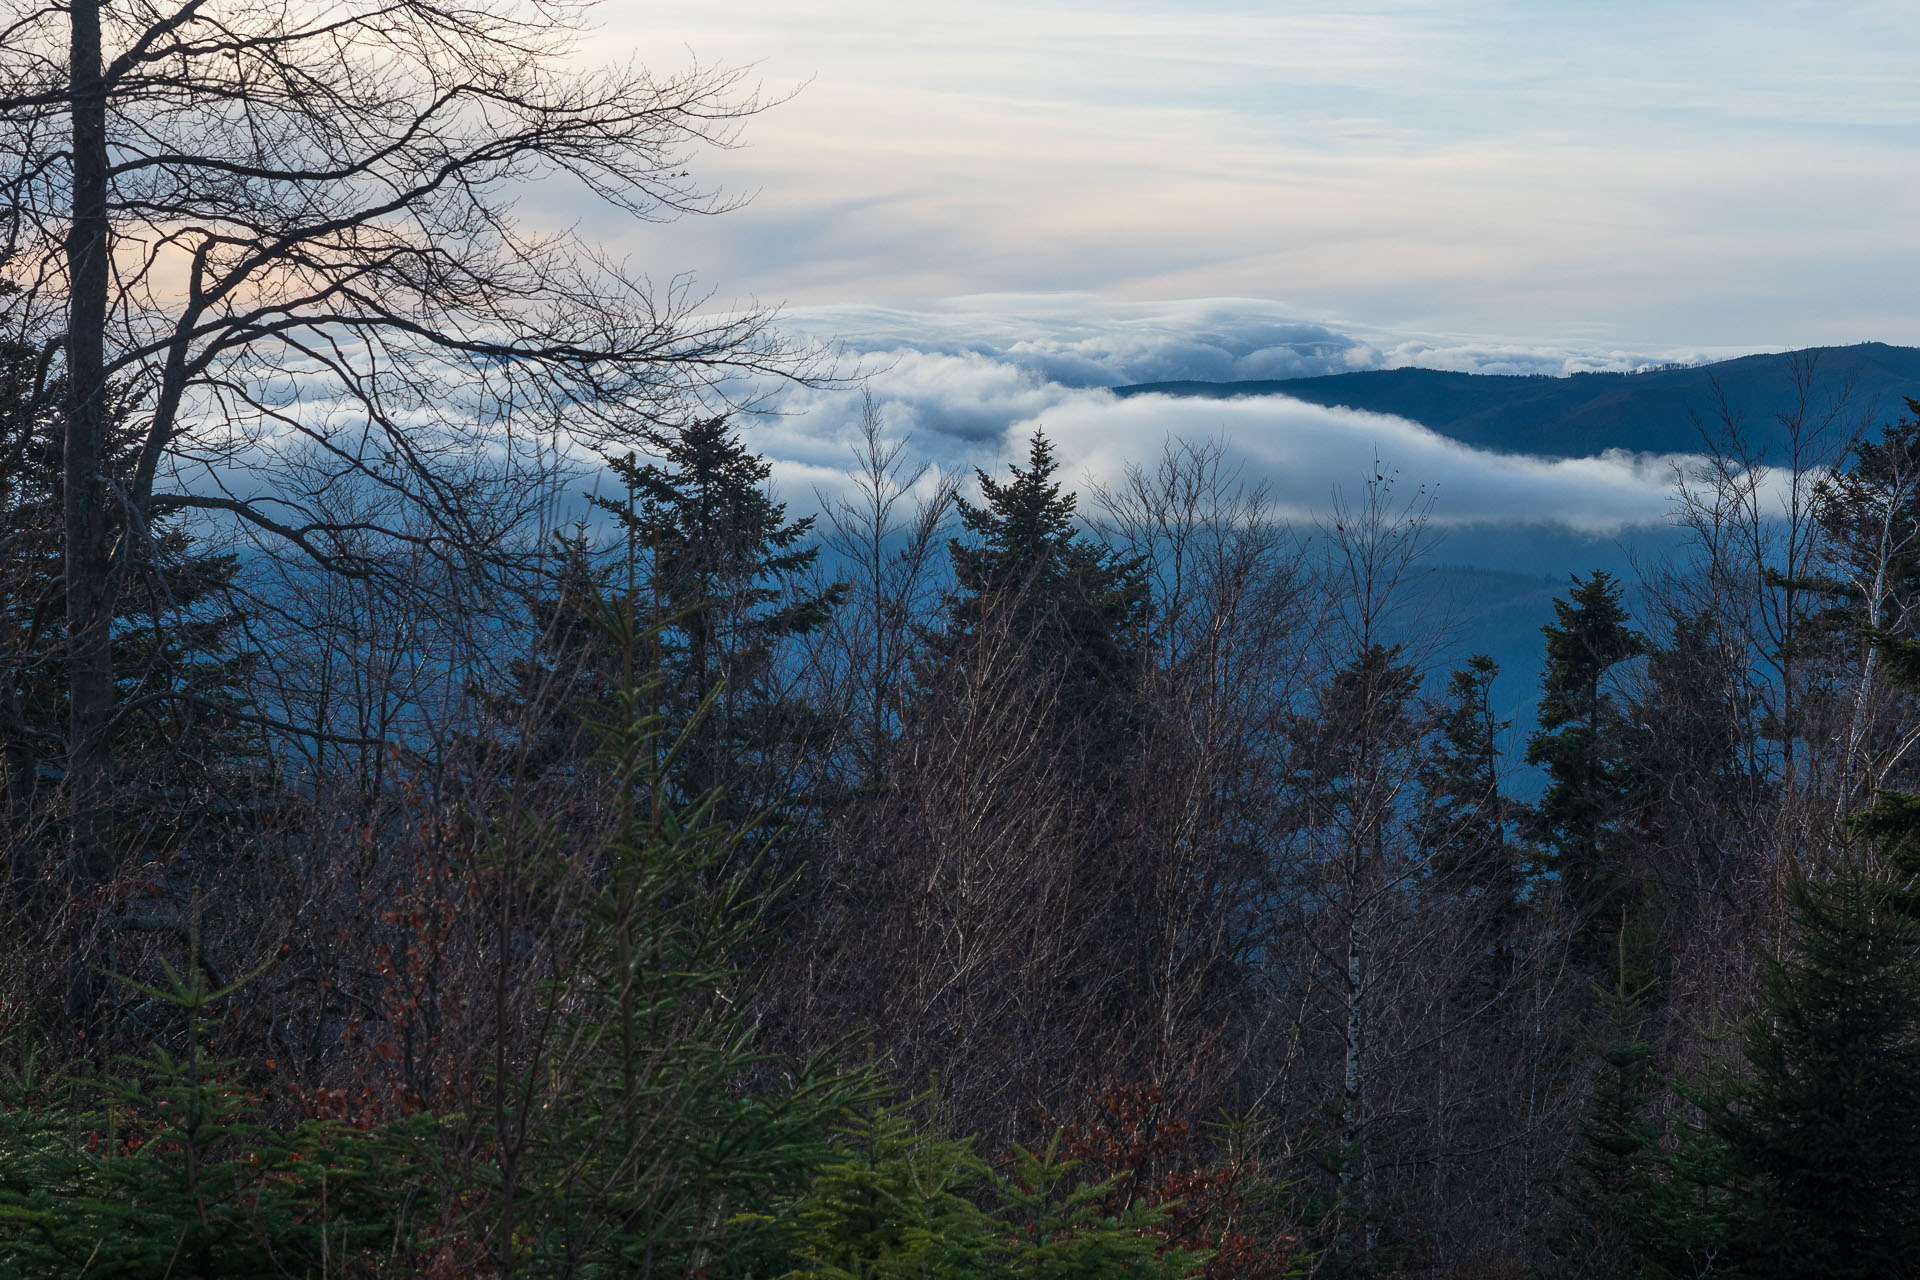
1463 828
1079 611
727 582
1822 1139
183 754
654 1136
1055 623
1585 746
1698 772
1616 1184
1808 1163
1700 717
706 564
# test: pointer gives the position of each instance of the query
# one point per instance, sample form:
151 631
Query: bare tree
1232 598
1360 764
887 531
1758 550
287 231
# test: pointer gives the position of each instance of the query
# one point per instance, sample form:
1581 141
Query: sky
1001 205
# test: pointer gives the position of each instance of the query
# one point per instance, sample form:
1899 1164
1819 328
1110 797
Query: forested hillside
462 822
1659 410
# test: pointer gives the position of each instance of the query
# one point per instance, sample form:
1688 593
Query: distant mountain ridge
1587 413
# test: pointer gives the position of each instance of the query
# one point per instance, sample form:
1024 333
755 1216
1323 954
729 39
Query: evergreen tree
709 567
893 1204
1366 715
1615 1167
1055 622
183 753
1464 823
1585 746
1695 699
1079 611
1807 1159
168 1167
1822 1139
1698 772
727 583
653 1137
1808 1163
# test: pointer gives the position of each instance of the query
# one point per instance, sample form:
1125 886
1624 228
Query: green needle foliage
1584 746
1823 1138
1807 1161
1620 1141
894 1206
729 583
1080 609
660 1141
904 1204
1057 1228
170 1168
1638 1202
1463 827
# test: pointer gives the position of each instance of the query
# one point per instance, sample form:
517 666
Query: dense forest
460 821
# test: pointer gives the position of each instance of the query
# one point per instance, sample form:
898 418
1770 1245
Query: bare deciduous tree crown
289 232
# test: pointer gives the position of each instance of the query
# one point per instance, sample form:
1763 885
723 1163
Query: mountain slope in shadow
1658 411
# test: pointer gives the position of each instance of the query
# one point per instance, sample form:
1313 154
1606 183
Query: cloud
1082 341
1307 454
970 380
1680 172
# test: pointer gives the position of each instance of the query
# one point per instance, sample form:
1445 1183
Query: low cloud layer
971 381
1081 341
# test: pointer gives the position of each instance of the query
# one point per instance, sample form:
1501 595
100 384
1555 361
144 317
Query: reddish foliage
363 1108
1132 1137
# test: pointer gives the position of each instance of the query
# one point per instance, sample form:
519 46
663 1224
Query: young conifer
1463 826
1823 1136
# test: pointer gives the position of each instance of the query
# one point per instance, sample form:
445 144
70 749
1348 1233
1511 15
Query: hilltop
1656 411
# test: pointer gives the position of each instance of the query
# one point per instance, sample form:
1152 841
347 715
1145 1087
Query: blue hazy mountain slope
1656 411
1454 610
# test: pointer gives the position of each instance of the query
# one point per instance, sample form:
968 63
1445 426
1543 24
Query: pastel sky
1693 172
1000 207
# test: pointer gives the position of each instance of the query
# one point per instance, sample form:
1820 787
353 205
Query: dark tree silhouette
286 236
1079 611
722 579
1583 744
183 730
1464 824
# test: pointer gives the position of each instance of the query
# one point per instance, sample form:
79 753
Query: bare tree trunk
1351 1121
89 593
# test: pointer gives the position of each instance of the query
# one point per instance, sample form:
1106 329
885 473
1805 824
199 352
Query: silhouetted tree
182 745
726 581
1465 818
1618 1189
1822 1135
1079 611
706 583
285 237
1584 745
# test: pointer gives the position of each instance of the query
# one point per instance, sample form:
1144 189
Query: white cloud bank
970 381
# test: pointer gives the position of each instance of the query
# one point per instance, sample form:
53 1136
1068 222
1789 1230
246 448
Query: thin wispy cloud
1665 173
